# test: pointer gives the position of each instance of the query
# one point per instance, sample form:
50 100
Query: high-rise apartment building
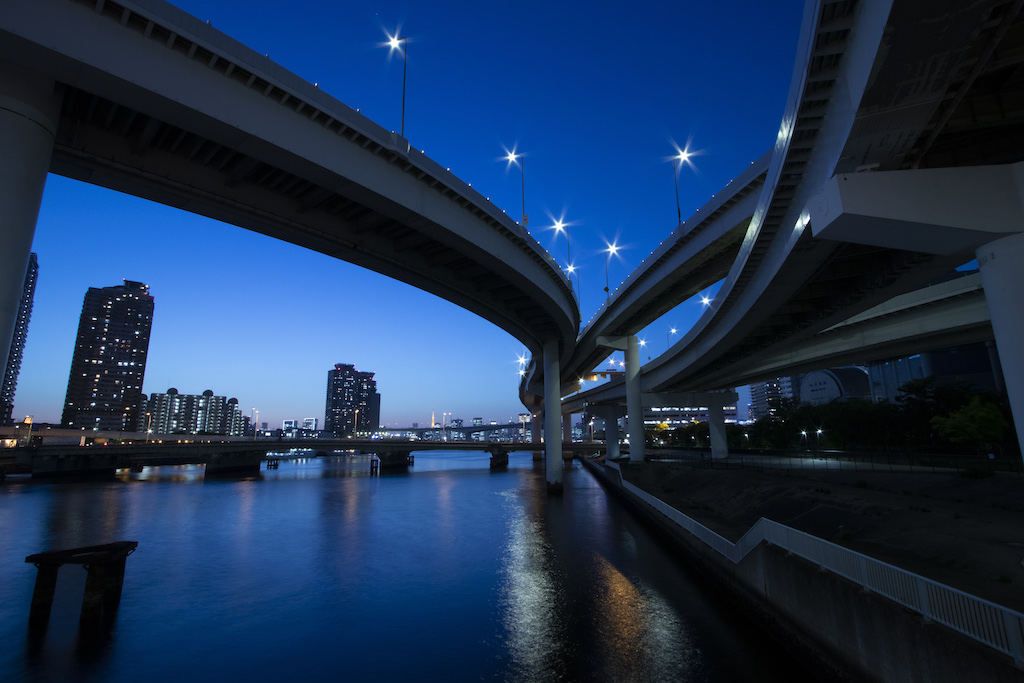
764 396
174 413
353 404
109 363
18 341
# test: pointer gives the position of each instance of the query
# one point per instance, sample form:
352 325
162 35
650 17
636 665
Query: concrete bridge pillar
393 459
535 432
611 431
552 417
29 111
232 464
499 457
1003 278
716 429
634 406
567 428
634 402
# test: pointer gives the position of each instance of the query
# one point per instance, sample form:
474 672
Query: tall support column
716 427
29 111
552 417
1003 279
611 434
634 406
567 428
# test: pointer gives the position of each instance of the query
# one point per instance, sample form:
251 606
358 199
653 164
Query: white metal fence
986 622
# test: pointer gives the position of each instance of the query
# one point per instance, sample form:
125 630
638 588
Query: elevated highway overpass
140 97
897 159
939 316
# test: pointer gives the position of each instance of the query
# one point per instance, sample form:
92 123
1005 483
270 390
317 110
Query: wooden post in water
105 564
42 596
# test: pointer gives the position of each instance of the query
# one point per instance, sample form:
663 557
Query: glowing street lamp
561 226
677 163
668 338
520 161
397 42
609 252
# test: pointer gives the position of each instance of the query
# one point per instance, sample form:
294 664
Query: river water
320 571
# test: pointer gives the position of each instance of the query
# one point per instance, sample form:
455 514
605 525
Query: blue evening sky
595 95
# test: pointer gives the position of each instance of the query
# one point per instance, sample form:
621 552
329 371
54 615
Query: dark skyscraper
105 385
353 404
18 341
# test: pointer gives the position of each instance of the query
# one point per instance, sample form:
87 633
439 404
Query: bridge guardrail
994 625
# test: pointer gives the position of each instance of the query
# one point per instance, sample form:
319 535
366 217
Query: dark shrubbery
927 416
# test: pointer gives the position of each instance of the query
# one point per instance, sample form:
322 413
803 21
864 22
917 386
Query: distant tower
18 341
353 404
105 385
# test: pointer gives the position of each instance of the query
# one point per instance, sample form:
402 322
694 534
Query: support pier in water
105 564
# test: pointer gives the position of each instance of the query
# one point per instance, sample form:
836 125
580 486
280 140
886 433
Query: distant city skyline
599 104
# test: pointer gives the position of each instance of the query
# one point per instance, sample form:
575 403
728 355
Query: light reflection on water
529 597
318 571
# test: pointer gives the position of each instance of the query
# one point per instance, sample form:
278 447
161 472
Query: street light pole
520 161
612 249
405 71
400 42
681 158
522 178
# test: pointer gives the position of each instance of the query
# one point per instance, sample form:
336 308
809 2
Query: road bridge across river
240 456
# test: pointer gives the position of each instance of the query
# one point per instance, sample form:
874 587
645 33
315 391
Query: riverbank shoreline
962 532
966 533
